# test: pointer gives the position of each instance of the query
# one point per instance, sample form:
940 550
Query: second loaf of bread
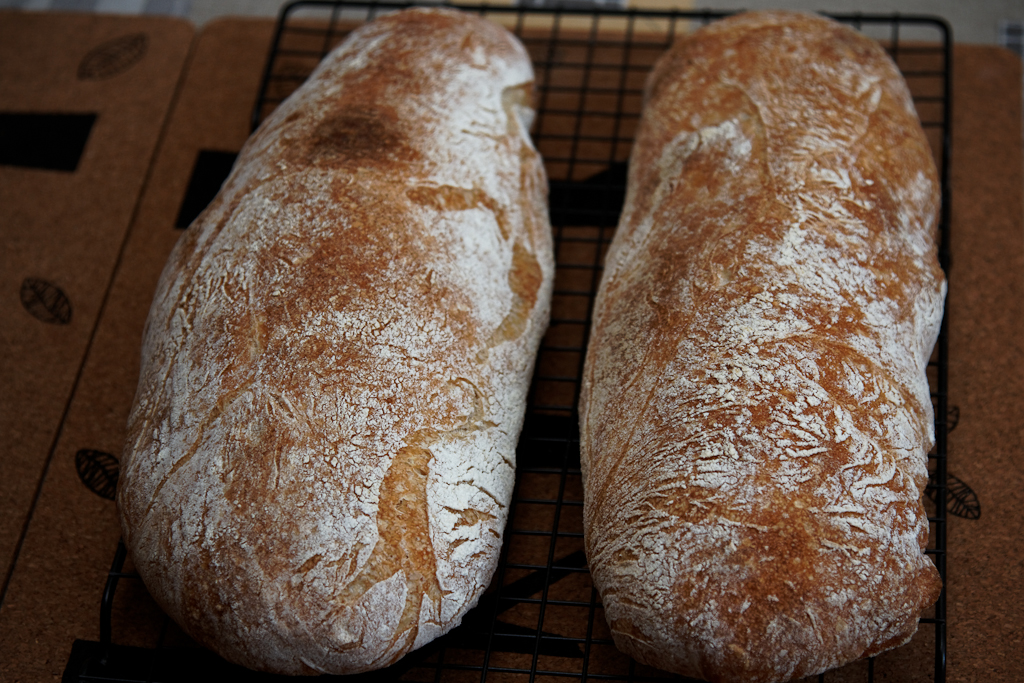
755 416
321 453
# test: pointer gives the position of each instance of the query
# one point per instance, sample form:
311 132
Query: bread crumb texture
755 412
321 451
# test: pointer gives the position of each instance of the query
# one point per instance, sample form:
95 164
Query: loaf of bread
321 453
755 412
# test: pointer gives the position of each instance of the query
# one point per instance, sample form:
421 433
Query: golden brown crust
755 415
321 453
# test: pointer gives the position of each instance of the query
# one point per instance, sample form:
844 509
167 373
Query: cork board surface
56 587
986 370
82 102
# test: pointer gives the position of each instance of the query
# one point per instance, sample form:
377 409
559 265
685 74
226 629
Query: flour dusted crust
755 411
321 452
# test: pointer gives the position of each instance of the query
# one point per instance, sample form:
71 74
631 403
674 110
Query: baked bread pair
321 453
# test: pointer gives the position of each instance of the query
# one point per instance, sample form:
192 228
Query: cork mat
82 102
54 597
56 586
986 371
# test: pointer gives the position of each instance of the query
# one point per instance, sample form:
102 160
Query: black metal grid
542 618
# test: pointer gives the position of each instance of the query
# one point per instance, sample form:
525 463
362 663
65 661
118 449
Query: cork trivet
82 100
986 370
55 590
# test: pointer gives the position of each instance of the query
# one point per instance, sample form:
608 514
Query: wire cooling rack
542 620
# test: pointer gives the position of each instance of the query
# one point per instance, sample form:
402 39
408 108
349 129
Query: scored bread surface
321 452
755 412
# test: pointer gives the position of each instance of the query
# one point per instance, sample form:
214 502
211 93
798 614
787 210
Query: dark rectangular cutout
596 201
54 142
209 173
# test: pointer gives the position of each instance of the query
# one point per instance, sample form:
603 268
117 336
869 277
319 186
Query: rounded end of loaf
778 620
